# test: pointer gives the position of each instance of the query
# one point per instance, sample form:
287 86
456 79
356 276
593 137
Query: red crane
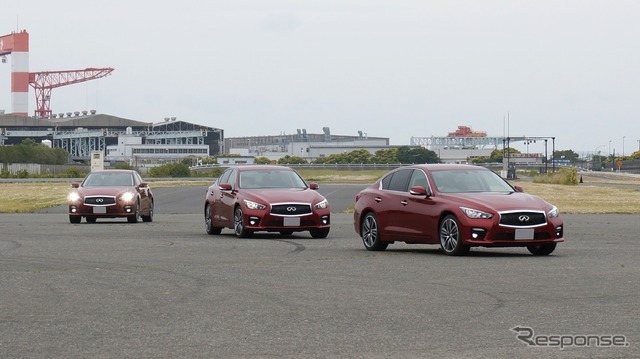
44 82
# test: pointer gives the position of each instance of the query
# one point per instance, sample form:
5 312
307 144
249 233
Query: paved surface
166 289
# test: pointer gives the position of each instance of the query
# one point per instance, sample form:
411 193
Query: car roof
114 171
262 168
448 166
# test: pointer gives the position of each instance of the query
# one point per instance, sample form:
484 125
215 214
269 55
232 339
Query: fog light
478 233
254 221
324 220
74 209
559 231
127 209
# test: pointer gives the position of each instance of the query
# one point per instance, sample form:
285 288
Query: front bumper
111 211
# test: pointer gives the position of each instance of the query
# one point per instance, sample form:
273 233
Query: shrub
73 172
170 170
565 176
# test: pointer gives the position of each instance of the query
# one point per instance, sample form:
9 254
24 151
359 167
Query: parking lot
166 289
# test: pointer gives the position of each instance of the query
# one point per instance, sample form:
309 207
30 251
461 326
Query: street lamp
623 137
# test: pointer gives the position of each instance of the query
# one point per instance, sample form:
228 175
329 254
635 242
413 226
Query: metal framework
44 82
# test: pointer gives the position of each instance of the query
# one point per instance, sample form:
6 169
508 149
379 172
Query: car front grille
99 200
522 219
291 209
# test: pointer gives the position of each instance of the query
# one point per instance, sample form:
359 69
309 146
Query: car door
215 198
390 207
421 213
227 199
144 191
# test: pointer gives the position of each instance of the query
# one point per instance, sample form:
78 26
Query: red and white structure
17 44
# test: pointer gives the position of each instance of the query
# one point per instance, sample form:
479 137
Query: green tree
292 160
408 155
29 151
386 155
566 155
264 161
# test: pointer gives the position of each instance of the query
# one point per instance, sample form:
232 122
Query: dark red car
456 206
255 198
111 194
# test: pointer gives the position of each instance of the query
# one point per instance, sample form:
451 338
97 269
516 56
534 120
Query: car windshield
108 179
465 181
270 179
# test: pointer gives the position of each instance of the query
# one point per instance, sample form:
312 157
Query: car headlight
254 205
474 213
74 197
554 212
322 204
127 196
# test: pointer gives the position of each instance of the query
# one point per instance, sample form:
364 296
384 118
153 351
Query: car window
224 178
232 178
418 178
400 180
469 181
271 179
108 179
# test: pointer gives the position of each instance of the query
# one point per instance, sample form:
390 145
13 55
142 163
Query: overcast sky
389 68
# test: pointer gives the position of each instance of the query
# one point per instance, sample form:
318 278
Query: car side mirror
143 185
75 184
419 191
225 186
314 186
519 189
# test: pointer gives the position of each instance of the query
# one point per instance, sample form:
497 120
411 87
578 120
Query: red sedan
111 194
255 198
456 206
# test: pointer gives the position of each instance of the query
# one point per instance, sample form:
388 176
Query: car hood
499 201
104 191
282 195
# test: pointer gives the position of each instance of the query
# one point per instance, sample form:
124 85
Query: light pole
623 137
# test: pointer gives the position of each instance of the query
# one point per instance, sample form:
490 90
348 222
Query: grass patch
333 176
584 199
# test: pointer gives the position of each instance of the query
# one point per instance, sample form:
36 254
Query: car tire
542 249
75 219
149 217
136 215
319 232
238 224
370 233
91 219
450 240
208 221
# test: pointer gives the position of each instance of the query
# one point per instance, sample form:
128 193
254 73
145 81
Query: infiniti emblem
99 200
291 209
523 218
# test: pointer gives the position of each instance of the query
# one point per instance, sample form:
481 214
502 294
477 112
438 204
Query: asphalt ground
166 289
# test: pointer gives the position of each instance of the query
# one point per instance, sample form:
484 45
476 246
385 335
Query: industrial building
309 146
120 139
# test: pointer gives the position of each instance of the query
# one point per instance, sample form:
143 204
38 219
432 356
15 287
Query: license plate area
99 210
524 234
291 221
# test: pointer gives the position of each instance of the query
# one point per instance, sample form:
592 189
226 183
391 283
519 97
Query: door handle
378 199
404 203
